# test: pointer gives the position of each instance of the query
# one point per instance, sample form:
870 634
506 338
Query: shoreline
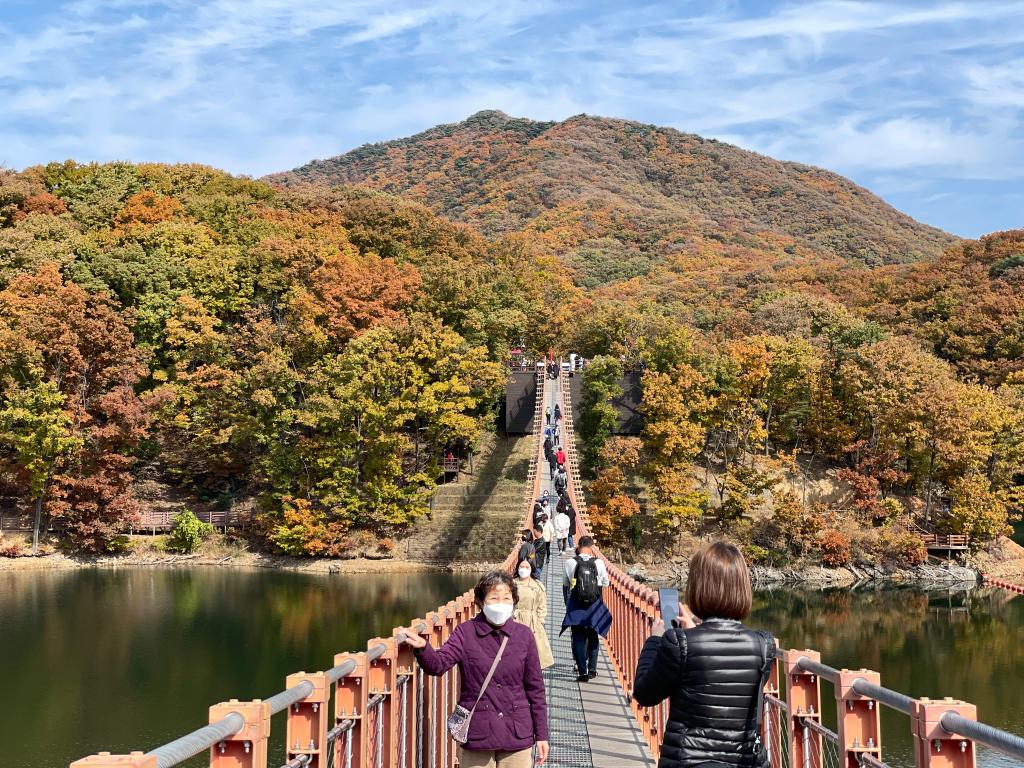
816 576
669 574
249 561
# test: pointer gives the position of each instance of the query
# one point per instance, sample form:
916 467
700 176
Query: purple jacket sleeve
447 656
533 683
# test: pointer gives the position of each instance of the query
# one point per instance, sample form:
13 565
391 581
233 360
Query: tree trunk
35 528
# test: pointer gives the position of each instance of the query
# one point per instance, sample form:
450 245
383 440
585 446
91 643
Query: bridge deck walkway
591 723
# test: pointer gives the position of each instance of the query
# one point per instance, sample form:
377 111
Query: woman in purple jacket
512 715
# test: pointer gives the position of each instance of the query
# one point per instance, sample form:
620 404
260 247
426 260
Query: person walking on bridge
711 667
585 612
561 481
532 610
565 505
558 413
560 456
549 535
508 709
561 529
527 549
539 547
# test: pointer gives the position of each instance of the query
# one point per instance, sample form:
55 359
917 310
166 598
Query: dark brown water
129 659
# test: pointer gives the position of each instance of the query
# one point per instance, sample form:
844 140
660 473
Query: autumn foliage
318 349
319 352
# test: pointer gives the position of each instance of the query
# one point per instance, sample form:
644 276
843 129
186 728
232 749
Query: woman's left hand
658 629
542 752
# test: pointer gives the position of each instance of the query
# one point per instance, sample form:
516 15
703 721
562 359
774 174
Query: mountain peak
615 198
487 117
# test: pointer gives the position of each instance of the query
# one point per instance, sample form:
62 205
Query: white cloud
1001 85
882 90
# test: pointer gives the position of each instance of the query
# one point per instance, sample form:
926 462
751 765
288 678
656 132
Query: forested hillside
614 199
316 349
319 353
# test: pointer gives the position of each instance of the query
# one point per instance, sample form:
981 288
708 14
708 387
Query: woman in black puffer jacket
712 667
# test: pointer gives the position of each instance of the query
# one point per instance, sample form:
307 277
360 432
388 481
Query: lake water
968 644
122 659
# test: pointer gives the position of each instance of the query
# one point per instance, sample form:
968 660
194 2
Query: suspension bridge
376 709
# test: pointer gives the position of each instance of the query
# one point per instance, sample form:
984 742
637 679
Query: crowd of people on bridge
706 662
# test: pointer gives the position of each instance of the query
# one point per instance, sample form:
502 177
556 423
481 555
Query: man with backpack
585 612
561 481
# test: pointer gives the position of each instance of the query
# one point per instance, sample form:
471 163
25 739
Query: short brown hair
719 583
489 581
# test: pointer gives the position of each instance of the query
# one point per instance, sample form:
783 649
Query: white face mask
525 572
498 613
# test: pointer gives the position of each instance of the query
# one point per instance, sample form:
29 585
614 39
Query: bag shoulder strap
766 665
490 673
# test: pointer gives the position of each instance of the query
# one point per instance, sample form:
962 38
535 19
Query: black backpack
586 590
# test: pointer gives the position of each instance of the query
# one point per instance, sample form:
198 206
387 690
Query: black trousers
585 646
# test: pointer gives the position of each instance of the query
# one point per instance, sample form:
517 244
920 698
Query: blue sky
922 103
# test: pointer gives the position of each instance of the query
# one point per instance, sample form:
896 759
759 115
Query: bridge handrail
995 738
201 739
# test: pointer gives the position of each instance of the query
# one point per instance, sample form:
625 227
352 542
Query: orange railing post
408 704
858 722
934 746
306 731
449 689
382 681
107 760
434 713
803 695
350 697
248 747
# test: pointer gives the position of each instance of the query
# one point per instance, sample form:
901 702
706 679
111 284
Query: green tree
188 532
39 435
675 410
598 417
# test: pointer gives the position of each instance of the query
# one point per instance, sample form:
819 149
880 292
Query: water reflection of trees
125 658
965 644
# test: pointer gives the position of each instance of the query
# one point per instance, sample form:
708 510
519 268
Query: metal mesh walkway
590 723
